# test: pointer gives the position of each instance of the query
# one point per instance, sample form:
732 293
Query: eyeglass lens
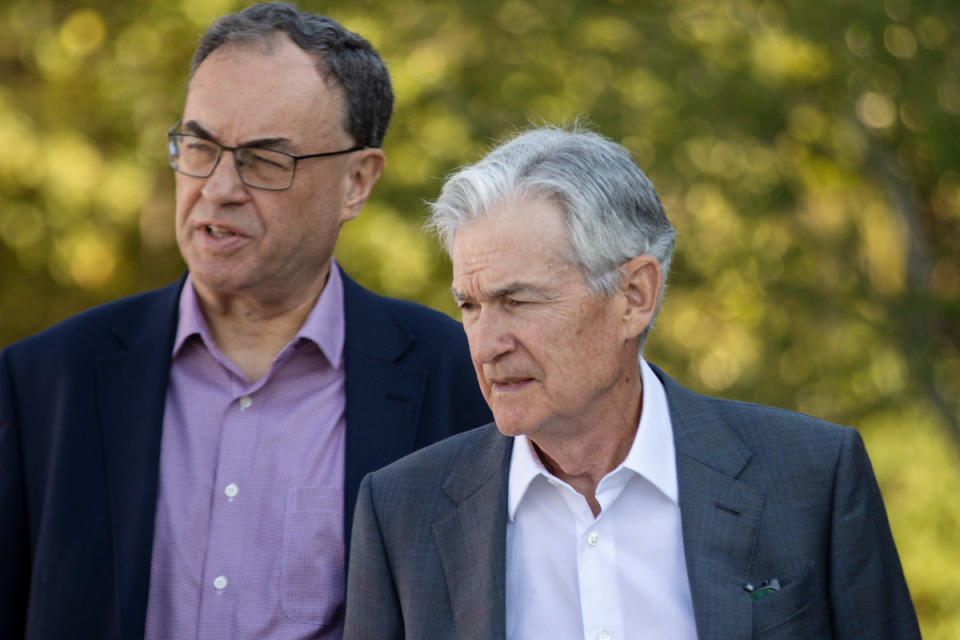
257 167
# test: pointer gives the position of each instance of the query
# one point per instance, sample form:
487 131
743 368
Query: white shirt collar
651 455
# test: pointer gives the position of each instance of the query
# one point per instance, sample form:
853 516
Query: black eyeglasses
258 168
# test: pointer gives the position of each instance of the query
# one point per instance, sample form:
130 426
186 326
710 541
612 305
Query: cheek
581 347
187 193
481 379
311 219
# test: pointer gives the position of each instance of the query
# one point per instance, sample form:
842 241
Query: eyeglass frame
222 147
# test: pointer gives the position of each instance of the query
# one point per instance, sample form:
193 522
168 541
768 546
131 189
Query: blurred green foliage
808 157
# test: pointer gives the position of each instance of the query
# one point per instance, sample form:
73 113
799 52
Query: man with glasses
184 463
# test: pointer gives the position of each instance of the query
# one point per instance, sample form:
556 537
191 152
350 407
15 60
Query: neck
597 448
252 330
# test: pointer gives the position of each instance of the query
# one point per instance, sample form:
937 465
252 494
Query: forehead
522 242
251 89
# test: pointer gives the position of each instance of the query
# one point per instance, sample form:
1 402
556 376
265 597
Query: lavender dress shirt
248 538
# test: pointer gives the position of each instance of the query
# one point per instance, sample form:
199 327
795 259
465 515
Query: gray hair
611 210
342 57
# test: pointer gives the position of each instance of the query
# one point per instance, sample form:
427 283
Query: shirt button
245 402
593 540
220 583
231 490
604 635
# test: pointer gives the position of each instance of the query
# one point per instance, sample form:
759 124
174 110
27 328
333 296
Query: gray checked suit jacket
764 493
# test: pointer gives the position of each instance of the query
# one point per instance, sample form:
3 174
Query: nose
489 335
224 185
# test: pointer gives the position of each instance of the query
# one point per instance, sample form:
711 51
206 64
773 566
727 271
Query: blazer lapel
131 382
720 514
383 397
471 540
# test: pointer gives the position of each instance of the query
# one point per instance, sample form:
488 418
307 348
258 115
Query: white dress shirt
621 575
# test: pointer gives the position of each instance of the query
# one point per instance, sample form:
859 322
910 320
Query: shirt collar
325 326
651 455
524 468
190 322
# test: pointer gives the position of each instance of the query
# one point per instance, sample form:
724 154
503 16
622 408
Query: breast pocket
312 576
797 610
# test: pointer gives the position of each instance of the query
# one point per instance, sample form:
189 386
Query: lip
509 384
230 238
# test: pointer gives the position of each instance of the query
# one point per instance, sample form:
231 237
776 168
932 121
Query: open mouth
219 232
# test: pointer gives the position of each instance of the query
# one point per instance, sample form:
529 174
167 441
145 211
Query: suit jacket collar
377 385
720 514
131 381
471 539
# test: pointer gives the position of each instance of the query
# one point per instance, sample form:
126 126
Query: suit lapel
131 382
471 540
720 514
383 398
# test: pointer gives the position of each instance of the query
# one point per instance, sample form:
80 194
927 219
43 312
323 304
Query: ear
362 173
641 282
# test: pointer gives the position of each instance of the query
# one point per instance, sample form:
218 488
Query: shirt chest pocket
312 575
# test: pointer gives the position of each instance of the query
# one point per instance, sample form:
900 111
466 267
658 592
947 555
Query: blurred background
808 156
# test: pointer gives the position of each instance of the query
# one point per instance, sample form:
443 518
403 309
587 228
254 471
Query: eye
264 158
200 146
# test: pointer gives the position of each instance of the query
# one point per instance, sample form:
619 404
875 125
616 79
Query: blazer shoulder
797 449
403 331
476 450
415 317
426 324
85 332
726 434
434 479
760 422
747 419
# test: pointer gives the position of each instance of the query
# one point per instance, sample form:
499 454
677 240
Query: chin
511 425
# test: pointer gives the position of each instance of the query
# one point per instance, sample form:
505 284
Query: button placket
598 594
224 530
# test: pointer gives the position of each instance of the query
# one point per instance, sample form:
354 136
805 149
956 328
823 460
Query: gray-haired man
607 501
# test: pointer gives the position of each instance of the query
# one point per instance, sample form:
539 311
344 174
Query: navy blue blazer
764 494
81 413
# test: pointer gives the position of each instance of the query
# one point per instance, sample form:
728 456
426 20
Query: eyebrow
195 128
508 290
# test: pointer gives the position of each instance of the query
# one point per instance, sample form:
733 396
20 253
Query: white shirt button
220 583
231 490
604 635
245 402
593 540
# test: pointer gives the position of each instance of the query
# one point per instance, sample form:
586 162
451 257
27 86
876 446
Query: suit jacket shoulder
767 493
398 328
118 322
454 467
739 436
